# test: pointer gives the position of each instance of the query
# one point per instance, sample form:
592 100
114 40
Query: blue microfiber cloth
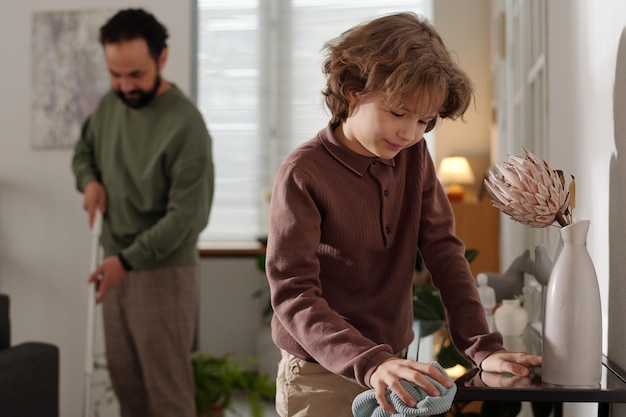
365 404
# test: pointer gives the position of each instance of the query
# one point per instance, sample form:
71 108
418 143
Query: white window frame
519 27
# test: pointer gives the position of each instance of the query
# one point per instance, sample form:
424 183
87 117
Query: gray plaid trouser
149 325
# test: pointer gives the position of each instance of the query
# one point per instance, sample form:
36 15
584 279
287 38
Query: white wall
617 235
44 239
230 314
583 136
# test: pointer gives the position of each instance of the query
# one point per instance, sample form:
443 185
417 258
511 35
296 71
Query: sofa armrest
5 322
29 380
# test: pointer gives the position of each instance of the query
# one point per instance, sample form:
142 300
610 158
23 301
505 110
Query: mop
91 311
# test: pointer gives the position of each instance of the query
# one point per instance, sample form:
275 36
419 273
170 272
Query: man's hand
94 198
390 372
108 275
516 363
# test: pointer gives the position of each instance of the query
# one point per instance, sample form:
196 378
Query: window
521 100
259 86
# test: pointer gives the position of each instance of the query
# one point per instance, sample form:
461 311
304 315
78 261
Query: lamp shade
455 170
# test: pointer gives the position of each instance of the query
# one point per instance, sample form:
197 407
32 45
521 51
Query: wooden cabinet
478 226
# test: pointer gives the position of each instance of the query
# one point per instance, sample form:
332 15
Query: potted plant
217 378
267 352
264 291
428 308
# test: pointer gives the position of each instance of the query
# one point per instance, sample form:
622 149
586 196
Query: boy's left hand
516 363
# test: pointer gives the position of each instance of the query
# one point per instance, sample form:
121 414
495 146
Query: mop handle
96 229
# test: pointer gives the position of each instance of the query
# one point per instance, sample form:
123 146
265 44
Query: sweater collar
351 160
157 101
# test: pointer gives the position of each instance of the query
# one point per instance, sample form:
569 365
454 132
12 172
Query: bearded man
144 161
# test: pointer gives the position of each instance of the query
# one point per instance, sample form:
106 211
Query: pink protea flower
530 192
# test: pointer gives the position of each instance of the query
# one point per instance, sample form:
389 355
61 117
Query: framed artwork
69 74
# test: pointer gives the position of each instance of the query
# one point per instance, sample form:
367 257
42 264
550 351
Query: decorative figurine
510 283
487 298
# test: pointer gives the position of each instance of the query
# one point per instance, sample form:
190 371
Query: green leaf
216 378
422 311
471 254
260 262
419 262
427 303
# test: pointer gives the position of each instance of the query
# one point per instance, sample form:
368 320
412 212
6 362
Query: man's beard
140 98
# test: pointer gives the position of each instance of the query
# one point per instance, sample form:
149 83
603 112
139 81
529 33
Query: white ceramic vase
510 318
572 325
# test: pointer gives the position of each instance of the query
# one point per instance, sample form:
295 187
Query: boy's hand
390 372
516 363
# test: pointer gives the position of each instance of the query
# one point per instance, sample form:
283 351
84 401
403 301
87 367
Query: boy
351 207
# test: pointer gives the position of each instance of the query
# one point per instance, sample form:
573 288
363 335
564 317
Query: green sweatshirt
155 164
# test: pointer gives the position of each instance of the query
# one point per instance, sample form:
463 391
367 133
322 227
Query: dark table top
477 385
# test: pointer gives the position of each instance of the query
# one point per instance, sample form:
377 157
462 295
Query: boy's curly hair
131 24
401 56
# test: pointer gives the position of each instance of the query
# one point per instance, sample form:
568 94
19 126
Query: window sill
230 248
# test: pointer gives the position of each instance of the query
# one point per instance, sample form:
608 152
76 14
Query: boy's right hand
94 197
390 372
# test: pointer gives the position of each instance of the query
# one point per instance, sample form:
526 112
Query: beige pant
149 324
306 389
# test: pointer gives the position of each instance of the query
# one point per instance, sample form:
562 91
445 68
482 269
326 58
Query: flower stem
561 220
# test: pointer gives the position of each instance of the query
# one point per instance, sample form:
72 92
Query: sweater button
386 193
387 229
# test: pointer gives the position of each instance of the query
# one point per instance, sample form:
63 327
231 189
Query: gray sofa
29 374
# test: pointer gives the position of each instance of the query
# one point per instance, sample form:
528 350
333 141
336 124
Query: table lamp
454 172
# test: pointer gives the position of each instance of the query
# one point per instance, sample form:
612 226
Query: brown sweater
344 233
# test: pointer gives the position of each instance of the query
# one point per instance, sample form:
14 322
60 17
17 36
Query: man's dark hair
132 24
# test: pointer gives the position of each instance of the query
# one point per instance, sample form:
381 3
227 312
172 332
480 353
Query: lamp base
455 193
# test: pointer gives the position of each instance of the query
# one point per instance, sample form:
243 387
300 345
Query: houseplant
104 396
217 378
264 291
429 310
267 352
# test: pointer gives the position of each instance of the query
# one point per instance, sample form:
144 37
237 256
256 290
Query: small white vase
572 325
511 318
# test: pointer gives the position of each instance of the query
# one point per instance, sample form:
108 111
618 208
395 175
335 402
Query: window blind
259 84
